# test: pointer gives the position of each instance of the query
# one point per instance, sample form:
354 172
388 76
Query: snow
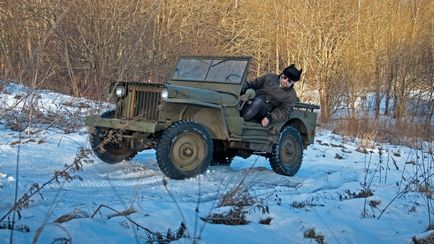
322 196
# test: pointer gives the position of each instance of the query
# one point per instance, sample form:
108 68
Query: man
275 96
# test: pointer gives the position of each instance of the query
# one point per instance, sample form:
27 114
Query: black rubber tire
287 154
109 152
184 150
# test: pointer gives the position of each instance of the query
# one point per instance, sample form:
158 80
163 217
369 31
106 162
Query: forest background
350 50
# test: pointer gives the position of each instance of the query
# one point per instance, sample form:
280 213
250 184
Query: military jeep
194 121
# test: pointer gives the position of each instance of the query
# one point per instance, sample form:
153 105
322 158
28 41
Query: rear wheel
105 144
184 150
287 154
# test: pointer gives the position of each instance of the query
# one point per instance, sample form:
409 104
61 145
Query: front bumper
133 125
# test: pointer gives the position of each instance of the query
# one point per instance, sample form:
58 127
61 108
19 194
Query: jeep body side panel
208 114
201 105
303 118
260 138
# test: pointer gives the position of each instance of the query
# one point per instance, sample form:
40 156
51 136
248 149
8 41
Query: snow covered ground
347 191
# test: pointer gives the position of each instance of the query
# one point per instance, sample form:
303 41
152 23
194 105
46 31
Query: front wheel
105 144
184 150
287 154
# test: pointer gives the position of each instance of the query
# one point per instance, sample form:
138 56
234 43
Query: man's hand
250 94
265 121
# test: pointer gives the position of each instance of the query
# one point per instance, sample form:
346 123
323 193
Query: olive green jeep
194 121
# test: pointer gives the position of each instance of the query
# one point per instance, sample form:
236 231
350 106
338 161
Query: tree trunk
324 103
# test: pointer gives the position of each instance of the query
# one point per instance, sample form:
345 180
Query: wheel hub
287 151
187 151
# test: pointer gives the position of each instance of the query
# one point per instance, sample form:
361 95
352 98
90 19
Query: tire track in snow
125 174
108 183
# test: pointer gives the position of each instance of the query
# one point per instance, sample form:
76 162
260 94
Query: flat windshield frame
217 70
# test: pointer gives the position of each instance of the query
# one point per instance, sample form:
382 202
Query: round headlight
120 91
164 94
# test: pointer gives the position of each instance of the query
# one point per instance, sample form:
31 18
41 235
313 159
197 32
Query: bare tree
346 48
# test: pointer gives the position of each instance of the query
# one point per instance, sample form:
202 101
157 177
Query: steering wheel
237 76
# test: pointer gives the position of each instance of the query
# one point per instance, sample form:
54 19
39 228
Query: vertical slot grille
141 101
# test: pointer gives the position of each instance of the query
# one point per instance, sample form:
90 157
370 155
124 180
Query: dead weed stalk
417 177
151 236
83 155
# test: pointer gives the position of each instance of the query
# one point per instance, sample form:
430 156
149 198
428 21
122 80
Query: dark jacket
281 101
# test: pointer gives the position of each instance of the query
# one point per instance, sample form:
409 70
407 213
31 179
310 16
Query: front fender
210 115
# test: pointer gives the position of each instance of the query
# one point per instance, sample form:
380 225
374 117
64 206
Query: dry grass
426 240
240 203
370 130
310 234
233 217
238 196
